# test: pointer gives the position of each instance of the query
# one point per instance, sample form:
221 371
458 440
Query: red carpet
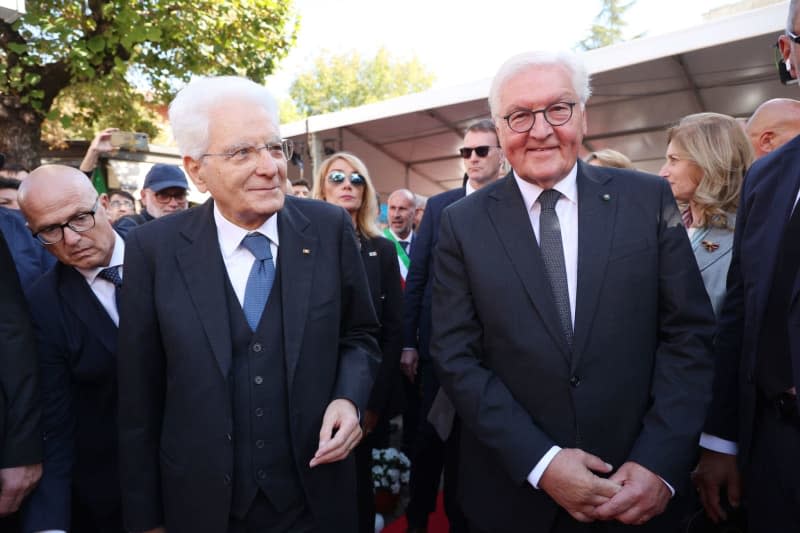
436 524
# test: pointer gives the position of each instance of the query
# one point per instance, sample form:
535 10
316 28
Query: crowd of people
573 345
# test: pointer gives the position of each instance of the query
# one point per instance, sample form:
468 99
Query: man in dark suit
74 312
571 329
752 435
20 433
241 378
483 159
30 257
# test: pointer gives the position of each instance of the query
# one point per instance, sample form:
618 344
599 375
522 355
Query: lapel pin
306 251
710 246
373 254
606 197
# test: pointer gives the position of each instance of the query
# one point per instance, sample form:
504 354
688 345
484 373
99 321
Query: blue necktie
259 282
553 257
112 274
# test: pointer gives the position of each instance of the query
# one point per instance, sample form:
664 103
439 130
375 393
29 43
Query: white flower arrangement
390 469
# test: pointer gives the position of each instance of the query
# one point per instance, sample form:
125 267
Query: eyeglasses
249 154
118 204
166 195
793 37
356 179
480 151
79 223
556 114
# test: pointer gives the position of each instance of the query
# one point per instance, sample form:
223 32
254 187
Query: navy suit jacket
76 340
767 201
30 256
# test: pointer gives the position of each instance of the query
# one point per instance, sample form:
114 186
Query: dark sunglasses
338 177
480 151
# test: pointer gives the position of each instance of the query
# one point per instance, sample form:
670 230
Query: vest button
261 474
259 443
259 411
226 479
228 436
258 380
574 381
257 347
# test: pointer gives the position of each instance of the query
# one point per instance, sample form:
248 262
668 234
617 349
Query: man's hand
339 434
643 496
714 472
409 361
569 480
101 144
15 484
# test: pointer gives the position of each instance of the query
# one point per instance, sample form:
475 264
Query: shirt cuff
538 470
716 444
667 484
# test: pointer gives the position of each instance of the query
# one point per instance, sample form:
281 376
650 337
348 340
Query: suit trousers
772 476
264 518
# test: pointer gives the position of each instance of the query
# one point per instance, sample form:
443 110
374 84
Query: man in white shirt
74 310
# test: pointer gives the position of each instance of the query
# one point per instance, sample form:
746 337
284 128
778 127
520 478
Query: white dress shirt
238 259
102 288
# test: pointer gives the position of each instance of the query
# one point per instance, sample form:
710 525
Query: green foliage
95 58
347 80
608 25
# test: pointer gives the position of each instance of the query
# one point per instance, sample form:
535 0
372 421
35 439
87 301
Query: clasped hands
632 495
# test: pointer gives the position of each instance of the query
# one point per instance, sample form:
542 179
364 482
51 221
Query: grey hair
515 65
190 109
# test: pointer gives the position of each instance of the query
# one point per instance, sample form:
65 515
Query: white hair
572 62
190 109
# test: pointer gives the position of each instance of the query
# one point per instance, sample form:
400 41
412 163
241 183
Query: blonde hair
368 212
716 144
610 158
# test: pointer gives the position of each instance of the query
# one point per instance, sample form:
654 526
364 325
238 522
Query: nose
541 128
663 172
266 163
70 236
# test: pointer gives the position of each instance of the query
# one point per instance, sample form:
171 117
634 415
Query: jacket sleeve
417 278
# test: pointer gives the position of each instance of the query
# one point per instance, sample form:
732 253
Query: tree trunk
21 128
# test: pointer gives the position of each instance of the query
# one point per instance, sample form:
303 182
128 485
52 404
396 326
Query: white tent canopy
640 88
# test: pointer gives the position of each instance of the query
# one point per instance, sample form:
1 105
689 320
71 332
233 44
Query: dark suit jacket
76 340
20 433
417 295
766 204
635 384
383 275
30 256
176 416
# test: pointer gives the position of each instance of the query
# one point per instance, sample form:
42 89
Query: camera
129 140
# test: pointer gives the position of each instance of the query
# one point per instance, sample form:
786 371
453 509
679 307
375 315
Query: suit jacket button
574 381
259 411
261 474
258 380
228 436
257 347
226 479
259 443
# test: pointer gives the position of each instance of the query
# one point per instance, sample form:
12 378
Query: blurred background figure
343 180
8 192
120 204
707 157
100 145
301 188
14 171
773 124
164 192
421 202
609 158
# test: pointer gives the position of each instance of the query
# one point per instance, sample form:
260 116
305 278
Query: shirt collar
397 237
117 256
567 186
230 235
469 189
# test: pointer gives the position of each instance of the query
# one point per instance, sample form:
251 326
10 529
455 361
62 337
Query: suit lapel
296 258
204 273
83 303
723 238
511 221
597 207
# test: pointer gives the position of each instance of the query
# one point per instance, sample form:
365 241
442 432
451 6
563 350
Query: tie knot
547 199
111 274
258 245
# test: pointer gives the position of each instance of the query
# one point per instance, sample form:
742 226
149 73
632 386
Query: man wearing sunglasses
74 310
483 159
164 192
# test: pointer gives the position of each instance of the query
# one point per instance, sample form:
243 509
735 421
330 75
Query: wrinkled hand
643 496
570 481
370 421
714 472
409 361
339 434
15 484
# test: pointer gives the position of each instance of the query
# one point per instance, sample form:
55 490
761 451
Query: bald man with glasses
74 311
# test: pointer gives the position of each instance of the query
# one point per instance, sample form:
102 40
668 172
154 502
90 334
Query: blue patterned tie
553 257
112 275
259 282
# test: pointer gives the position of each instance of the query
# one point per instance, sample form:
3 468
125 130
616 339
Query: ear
192 167
785 46
104 200
765 141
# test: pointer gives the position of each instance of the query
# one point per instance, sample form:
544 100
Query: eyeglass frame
361 183
287 150
116 204
793 37
475 149
68 223
543 111
171 197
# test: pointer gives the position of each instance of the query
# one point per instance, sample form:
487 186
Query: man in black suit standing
571 329
483 159
247 343
752 435
75 315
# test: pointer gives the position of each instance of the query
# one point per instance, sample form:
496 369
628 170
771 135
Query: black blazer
77 341
767 201
383 275
176 416
635 384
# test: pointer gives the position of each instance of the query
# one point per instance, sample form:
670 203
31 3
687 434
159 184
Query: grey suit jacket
714 263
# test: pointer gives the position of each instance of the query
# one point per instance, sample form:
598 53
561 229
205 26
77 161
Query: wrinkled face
546 153
482 170
401 214
246 189
165 201
300 190
343 194
8 198
683 174
119 206
88 249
